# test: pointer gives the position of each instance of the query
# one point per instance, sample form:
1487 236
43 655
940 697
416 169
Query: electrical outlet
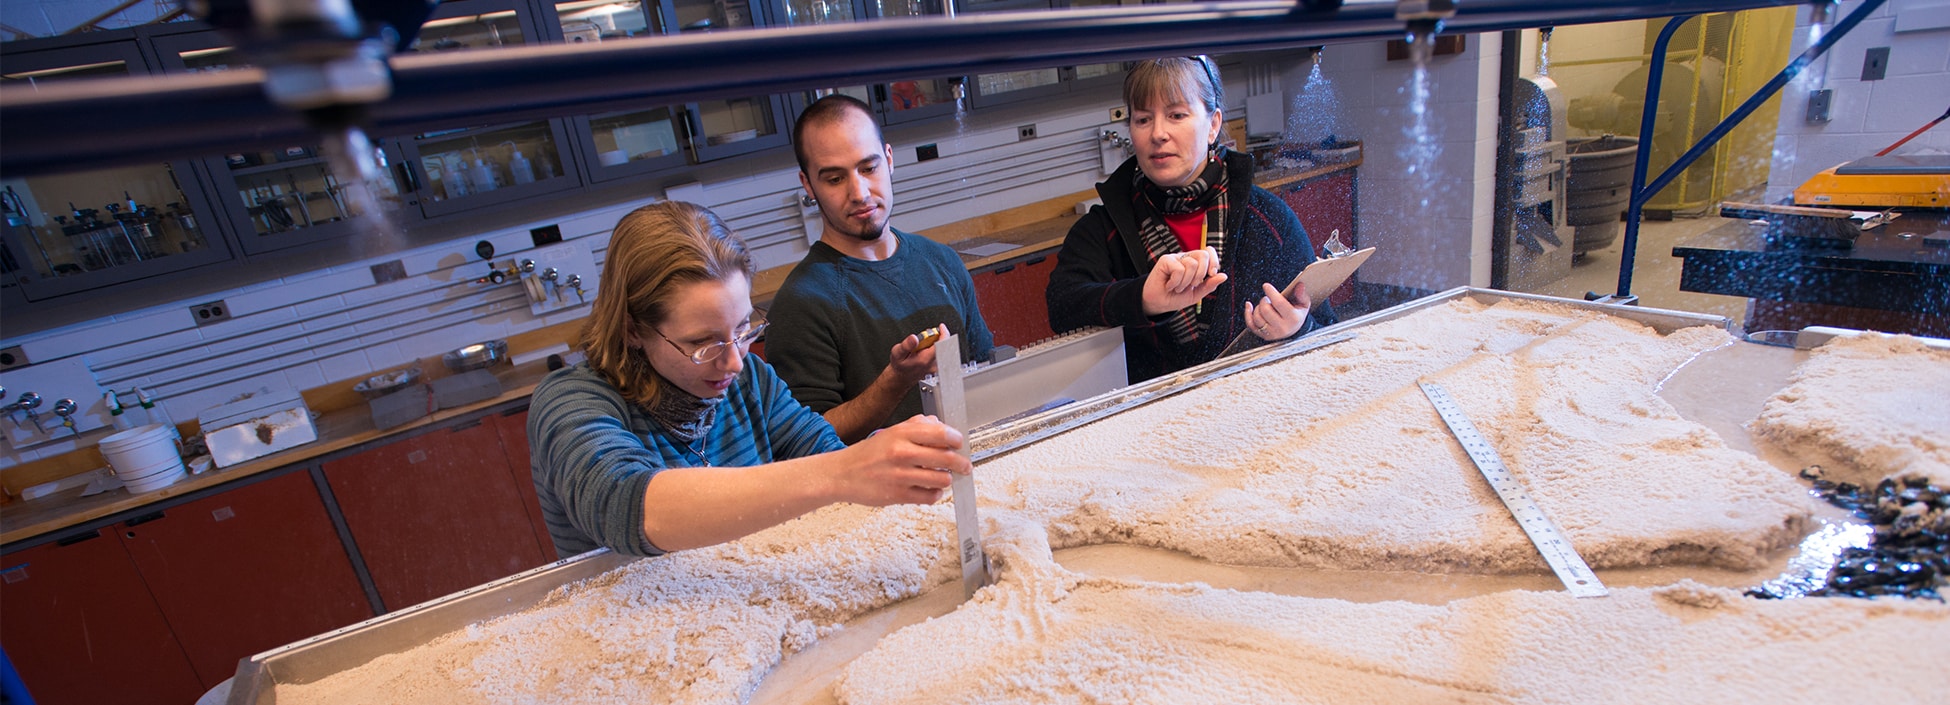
1875 64
545 235
1818 105
211 312
926 152
388 271
1026 132
1118 114
13 357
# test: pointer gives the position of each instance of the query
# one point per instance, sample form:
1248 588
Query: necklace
695 449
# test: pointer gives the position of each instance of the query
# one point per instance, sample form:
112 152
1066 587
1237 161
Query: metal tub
313 659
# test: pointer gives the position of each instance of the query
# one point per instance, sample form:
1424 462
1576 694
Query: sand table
1876 404
1337 459
1047 635
1333 459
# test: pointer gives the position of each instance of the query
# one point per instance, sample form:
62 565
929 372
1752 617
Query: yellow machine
1883 181
1920 181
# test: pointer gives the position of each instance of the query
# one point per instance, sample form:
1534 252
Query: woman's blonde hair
653 252
1174 79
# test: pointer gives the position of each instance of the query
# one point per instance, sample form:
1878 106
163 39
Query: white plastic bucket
142 452
156 481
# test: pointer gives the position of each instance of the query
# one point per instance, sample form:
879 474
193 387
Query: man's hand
1180 280
1278 317
909 360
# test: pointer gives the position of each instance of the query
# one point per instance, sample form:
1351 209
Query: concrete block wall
1866 115
1433 229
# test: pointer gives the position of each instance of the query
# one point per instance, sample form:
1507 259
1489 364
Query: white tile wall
1869 115
1437 246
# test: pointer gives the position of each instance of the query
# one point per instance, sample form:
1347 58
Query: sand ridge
1046 635
1873 404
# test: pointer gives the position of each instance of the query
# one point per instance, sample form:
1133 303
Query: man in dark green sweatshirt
846 322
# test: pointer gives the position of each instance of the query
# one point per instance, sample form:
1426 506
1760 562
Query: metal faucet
1424 18
1116 140
575 282
65 409
548 277
26 403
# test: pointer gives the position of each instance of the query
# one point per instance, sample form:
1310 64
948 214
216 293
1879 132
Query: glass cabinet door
275 198
738 125
1096 74
625 142
898 101
452 171
69 232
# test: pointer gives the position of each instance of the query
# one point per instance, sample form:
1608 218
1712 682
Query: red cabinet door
435 513
81 627
1011 297
246 570
513 426
1324 205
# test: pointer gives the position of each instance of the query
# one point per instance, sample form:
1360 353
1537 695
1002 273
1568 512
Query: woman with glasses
672 435
1185 253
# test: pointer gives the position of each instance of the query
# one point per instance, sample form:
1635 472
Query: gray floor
1655 272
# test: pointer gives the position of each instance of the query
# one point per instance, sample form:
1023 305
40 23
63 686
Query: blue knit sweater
592 454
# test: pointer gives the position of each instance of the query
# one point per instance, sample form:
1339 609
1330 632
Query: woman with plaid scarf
1184 252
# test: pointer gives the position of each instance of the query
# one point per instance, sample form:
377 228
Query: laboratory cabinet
512 425
988 90
1325 205
1011 295
161 603
444 172
895 102
653 138
274 199
436 513
82 629
76 231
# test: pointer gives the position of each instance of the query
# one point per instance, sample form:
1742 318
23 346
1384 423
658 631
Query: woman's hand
1278 317
1180 280
907 463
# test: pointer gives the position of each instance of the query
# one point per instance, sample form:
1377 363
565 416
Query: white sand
1337 459
1875 404
1330 459
1046 635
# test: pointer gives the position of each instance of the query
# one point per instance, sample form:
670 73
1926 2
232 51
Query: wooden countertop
339 430
346 425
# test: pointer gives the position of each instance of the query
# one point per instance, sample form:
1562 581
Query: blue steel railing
1643 192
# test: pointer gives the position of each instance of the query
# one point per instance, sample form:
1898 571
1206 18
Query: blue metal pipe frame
1643 192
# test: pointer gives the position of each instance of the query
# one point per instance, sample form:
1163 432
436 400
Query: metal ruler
1543 532
948 401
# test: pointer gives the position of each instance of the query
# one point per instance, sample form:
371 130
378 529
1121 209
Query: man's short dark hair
828 109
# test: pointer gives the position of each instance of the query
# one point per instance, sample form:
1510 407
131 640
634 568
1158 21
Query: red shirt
1189 227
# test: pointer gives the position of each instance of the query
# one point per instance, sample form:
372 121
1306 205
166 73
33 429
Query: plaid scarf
1151 202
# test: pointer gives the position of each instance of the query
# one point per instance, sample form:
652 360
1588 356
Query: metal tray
342 649
349 647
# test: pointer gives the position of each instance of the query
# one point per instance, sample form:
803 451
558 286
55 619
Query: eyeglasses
1210 73
753 327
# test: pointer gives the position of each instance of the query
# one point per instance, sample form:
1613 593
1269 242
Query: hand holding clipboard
1320 279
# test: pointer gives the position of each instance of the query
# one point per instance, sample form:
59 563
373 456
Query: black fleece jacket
1100 271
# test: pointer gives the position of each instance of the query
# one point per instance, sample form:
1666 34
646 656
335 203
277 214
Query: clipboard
1322 278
